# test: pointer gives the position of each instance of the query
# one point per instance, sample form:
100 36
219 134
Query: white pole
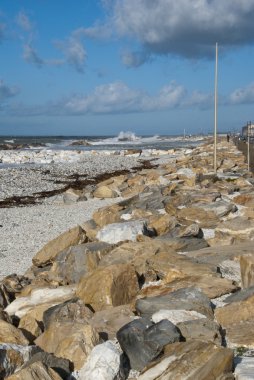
215 107
248 131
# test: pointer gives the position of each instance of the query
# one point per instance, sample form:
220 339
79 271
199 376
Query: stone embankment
158 286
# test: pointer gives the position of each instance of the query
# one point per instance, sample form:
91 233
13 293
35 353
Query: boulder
162 224
142 341
191 360
73 263
30 327
104 192
103 363
10 334
72 310
48 253
190 299
202 329
247 270
35 371
43 296
118 286
72 341
10 286
59 365
13 356
205 219
108 321
73 196
117 232
239 228
107 215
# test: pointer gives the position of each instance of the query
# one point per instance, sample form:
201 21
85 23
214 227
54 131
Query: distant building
251 130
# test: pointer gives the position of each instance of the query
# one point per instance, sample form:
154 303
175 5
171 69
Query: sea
123 141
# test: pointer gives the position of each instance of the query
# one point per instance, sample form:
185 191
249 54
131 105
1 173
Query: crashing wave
127 136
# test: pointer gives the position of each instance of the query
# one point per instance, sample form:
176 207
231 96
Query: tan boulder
73 341
91 229
205 219
247 270
30 327
104 192
36 370
190 360
107 215
162 224
240 228
236 312
213 286
48 253
110 286
10 334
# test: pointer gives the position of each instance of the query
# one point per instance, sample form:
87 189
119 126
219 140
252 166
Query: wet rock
118 286
48 253
73 263
142 341
191 299
193 359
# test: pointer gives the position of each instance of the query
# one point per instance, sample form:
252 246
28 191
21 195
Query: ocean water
124 140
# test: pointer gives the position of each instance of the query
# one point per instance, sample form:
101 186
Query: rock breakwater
156 286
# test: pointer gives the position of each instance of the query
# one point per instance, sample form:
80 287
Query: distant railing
242 145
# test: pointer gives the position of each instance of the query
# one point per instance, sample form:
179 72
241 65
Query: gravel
24 230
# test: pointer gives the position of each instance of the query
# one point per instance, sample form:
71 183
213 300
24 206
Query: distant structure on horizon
249 126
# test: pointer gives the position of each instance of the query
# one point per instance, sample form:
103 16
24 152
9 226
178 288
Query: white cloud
134 59
74 52
31 56
7 91
24 22
244 95
183 27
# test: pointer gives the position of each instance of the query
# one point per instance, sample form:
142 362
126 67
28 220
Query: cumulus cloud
183 27
134 59
6 91
244 95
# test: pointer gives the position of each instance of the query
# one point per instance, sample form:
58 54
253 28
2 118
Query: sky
98 67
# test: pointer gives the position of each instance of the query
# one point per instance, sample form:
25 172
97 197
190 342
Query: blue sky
98 67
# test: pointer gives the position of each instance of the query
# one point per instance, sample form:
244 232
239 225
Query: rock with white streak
116 232
103 363
176 316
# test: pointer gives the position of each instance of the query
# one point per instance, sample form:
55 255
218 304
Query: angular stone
116 232
220 208
72 341
91 229
12 357
30 327
59 365
43 296
205 219
107 215
176 316
48 253
72 264
103 363
108 321
104 192
244 368
239 228
142 342
72 310
10 334
191 299
211 286
73 196
118 285
35 371
191 360
162 224
202 329
247 270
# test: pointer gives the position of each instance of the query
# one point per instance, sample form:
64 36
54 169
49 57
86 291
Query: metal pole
215 107
248 131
